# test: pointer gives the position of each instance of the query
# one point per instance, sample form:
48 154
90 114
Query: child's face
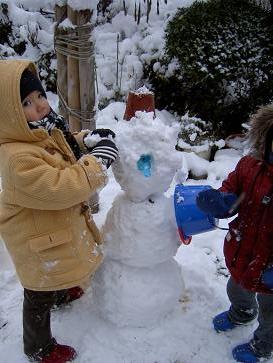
35 106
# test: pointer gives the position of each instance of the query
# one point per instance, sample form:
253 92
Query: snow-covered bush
11 42
197 135
218 62
27 32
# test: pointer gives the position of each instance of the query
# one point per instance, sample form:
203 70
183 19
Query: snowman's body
140 282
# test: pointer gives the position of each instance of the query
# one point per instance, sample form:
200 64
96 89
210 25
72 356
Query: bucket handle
211 221
222 228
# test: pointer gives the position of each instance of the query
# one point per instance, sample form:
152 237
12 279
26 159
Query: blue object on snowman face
144 165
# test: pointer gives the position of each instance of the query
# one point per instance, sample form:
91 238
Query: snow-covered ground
186 335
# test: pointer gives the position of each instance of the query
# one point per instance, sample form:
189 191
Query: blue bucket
189 218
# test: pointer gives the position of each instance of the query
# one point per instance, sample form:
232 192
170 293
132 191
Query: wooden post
73 95
60 15
87 77
139 101
87 92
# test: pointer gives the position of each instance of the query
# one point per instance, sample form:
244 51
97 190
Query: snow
147 136
185 334
135 44
66 24
83 4
147 248
140 238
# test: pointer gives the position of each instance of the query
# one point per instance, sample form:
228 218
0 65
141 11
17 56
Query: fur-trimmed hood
260 123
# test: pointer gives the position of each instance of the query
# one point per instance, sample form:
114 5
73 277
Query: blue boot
245 353
221 322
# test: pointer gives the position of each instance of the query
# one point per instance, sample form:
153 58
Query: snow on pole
139 100
83 5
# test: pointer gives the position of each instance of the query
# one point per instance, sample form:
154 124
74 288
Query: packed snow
139 234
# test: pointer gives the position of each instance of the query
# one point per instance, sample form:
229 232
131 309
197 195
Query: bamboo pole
60 15
87 94
87 78
73 95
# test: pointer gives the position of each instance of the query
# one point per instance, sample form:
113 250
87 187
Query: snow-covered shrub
218 62
28 33
197 135
11 42
47 66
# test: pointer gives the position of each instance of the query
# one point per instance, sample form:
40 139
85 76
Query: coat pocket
47 241
55 251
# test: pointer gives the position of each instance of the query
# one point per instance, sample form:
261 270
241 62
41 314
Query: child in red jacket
248 245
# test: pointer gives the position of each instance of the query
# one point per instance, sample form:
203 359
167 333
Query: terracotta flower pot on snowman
139 282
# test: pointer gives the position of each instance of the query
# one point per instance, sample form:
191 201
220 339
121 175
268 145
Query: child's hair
260 134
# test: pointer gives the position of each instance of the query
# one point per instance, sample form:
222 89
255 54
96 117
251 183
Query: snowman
139 282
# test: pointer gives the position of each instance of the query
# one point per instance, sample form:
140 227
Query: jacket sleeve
38 185
233 182
79 136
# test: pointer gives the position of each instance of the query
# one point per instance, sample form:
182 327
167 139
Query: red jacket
248 246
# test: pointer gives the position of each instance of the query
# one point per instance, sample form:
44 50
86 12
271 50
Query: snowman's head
147 156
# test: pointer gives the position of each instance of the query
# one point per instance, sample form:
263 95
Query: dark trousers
37 335
245 306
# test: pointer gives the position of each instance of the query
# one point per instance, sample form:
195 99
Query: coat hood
13 123
261 123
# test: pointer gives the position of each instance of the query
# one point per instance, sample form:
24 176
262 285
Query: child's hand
216 203
92 138
105 150
104 133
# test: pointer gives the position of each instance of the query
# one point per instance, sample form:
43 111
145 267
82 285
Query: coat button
66 157
86 162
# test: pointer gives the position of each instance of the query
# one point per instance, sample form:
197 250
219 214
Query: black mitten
105 150
104 133
216 203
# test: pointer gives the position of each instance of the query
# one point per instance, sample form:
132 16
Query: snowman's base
137 297
167 342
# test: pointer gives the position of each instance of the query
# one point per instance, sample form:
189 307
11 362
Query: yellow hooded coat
51 239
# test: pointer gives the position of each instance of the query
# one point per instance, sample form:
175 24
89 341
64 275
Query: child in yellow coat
46 179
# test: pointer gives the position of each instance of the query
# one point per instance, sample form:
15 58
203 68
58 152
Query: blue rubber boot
221 322
245 353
